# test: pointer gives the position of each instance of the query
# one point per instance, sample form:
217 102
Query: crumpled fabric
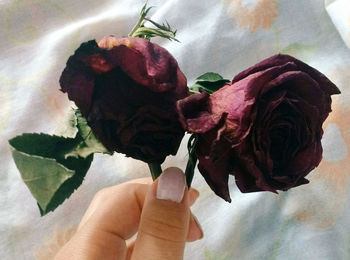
226 36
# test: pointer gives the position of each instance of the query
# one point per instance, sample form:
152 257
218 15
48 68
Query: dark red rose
264 127
127 90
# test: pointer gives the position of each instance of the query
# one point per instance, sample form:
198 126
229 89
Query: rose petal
215 174
248 175
152 65
281 59
269 136
128 90
304 87
195 115
78 77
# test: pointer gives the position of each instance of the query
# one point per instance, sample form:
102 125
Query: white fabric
225 36
339 11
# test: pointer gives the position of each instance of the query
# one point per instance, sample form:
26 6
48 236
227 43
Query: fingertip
165 218
193 195
195 231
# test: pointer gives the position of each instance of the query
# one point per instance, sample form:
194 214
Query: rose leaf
209 82
68 128
210 77
89 144
40 159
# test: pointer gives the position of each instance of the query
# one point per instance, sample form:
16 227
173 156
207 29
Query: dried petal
127 89
270 136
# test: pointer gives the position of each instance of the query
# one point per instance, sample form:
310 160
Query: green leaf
209 82
88 144
210 77
192 159
209 86
68 128
50 177
44 145
43 176
53 166
81 166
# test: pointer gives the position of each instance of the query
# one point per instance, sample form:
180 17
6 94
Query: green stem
189 172
161 30
141 20
192 159
155 170
137 26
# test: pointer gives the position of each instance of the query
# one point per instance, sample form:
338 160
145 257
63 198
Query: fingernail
171 185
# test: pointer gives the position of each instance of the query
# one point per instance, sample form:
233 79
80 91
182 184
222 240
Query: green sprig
161 30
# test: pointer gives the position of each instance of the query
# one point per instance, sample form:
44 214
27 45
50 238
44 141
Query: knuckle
170 228
110 192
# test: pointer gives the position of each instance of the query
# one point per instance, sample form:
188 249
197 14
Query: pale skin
119 212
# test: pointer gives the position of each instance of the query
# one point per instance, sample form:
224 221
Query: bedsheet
224 36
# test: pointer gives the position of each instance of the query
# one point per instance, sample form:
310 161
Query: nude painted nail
171 185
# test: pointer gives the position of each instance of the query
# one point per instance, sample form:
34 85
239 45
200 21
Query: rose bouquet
264 127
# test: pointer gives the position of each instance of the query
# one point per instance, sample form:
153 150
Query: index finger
113 218
99 198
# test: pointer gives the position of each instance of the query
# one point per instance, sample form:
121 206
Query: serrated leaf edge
40 157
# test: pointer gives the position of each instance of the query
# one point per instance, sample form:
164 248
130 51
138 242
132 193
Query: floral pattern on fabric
253 14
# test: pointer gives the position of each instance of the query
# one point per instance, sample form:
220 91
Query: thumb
164 219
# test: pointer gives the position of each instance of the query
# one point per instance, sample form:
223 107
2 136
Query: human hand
158 212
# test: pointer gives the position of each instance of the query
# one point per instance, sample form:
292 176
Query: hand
159 212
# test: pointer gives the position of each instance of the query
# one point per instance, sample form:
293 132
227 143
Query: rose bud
127 90
265 127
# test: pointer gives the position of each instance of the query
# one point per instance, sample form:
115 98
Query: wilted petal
281 59
151 65
127 89
195 115
215 173
270 136
78 78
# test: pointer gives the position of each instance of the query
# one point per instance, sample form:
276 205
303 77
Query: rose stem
155 169
189 172
192 159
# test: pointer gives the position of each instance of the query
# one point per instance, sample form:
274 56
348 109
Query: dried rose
264 127
127 90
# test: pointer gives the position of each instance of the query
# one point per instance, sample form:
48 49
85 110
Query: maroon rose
127 90
264 127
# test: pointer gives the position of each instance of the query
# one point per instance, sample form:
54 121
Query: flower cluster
264 127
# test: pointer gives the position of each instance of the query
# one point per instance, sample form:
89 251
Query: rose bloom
265 127
127 90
